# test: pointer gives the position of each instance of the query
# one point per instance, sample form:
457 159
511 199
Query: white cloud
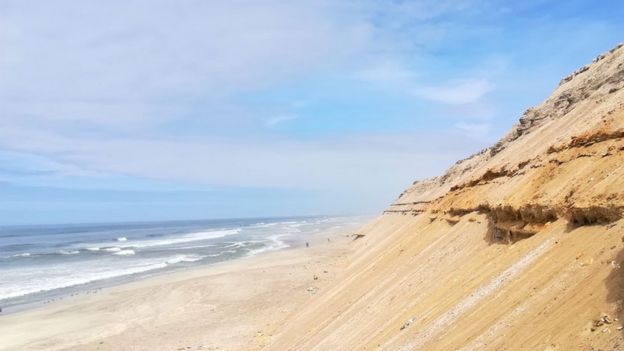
389 161
477 111
388 74
395 76
474 130
279 119
456 92
101 87
125 65
106 62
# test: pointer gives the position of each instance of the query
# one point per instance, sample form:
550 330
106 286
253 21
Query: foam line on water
125 253
25 281
181 239
275 243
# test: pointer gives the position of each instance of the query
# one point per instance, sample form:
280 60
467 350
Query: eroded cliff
517 247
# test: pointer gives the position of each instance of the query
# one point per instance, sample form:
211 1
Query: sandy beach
234 305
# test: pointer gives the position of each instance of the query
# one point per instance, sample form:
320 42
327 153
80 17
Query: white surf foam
122 244
275 243
27 280
193 247
237 244
221 253
69 252
265 225
186 238
125 253
185 258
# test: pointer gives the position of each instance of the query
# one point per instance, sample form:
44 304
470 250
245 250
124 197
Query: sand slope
518 247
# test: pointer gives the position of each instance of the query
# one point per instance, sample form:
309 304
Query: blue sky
149 109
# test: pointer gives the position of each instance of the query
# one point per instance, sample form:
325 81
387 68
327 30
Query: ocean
42 263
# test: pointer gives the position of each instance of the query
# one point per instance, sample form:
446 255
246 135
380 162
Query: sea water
41 263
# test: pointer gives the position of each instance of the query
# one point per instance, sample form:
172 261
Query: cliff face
587 102
517 247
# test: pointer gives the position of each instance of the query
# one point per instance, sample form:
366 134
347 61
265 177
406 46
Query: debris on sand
408 323
604 320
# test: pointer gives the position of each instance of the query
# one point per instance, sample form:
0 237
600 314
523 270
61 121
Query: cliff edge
518 247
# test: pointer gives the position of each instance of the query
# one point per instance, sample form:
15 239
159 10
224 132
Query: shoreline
227 305
182 261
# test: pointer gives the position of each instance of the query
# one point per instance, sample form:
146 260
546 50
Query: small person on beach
307 244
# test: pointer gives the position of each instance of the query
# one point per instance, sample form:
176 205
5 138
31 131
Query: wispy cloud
474 130
388 74
397 77
153 56
455 92
273 121
329 163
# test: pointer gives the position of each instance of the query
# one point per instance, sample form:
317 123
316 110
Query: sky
141 110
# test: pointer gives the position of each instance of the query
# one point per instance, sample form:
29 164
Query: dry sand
235 305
